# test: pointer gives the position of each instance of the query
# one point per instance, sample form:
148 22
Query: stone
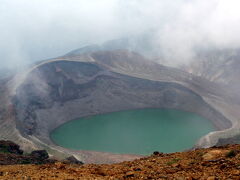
157 153
129 174
74 160
211 178
40 154
213 154
175 165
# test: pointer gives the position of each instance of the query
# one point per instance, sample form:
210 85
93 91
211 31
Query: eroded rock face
57 92
51 84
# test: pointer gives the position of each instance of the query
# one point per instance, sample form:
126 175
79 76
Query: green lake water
133 132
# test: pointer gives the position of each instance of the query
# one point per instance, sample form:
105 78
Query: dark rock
223 166
10 147
40 154
137 169
129 174
157 153
73 160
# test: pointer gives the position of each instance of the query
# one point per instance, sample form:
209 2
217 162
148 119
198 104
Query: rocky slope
211 164
55 91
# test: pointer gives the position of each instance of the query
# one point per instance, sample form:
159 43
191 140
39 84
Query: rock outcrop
10 147
10 153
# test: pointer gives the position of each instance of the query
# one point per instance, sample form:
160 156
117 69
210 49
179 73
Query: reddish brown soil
212 163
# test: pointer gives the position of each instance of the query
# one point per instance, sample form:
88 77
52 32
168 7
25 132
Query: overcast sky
39 29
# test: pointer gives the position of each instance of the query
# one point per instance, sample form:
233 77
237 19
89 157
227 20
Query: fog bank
32 30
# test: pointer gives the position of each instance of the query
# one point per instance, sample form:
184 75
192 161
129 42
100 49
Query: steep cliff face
55 91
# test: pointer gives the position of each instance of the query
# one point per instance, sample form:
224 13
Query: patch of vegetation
173 161
4 150
231 153
26 161
39 163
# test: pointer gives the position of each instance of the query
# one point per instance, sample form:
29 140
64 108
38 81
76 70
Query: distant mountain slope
221 66
217 65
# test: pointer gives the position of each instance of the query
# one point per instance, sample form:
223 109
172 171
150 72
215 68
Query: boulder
213 154
40 154
73 160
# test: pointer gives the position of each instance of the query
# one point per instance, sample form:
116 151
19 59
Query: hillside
211 164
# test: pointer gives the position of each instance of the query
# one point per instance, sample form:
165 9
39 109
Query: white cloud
39 29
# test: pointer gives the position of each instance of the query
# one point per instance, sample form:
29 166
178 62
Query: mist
32 30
